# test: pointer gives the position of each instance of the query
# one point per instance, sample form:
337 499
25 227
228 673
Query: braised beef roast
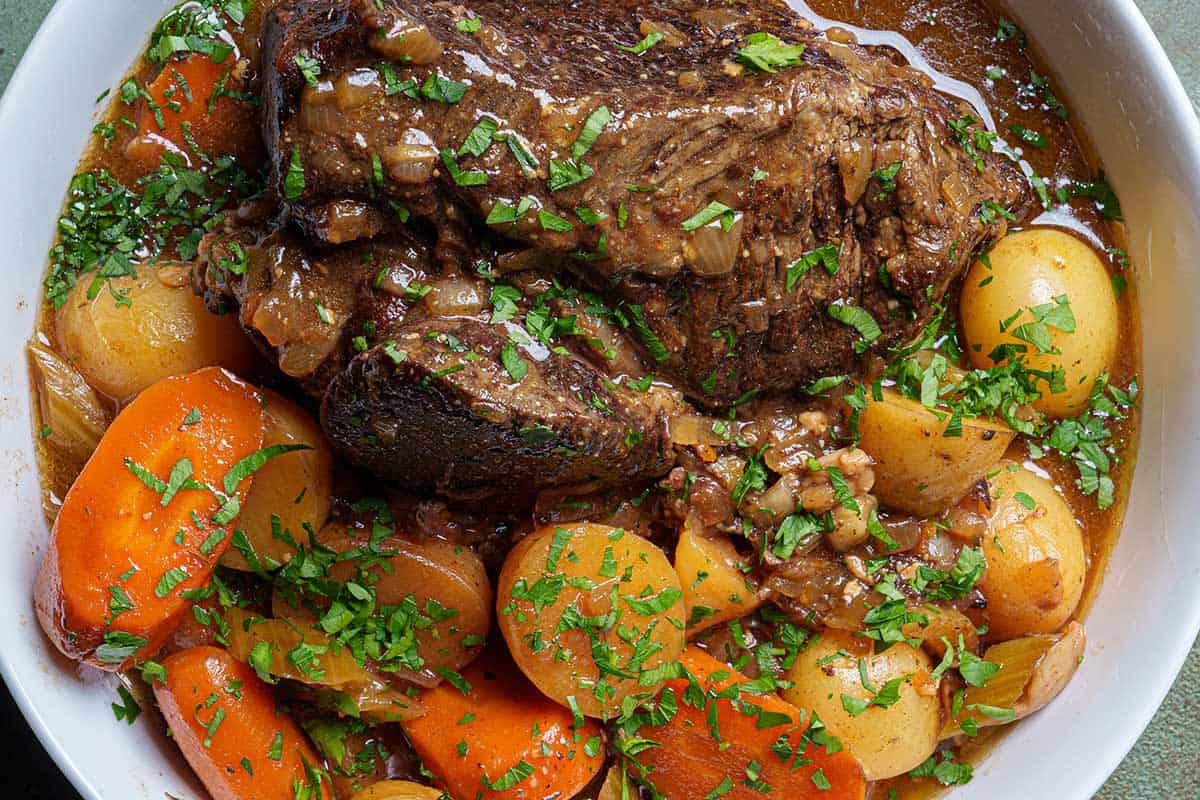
754 205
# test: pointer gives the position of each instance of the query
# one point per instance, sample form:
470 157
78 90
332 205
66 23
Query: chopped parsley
763 52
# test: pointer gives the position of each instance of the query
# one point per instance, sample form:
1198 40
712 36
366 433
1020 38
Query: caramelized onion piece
714 250
408 164
408 42
693 429
356 88
71 411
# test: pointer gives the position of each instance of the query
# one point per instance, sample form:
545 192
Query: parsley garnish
766 53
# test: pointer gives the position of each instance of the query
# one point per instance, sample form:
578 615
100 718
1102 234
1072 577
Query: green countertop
1166 761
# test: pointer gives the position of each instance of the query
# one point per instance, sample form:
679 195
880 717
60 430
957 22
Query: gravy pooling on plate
532 400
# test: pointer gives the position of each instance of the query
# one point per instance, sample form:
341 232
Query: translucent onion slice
1033 670
693 429
73 413
408 42
617 786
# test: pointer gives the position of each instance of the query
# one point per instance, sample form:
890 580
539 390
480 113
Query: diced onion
408 164
356 88
780 499
348 220
408 42
691 429
456 296
714 250
318 112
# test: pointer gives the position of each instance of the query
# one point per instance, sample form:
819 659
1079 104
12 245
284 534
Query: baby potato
1030 273
448 583
888 739
1036 564
164 329
570 596
296 487
918 469
715 589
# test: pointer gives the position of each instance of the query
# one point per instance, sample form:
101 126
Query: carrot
763 741
183 92
225 721
503 739
148 517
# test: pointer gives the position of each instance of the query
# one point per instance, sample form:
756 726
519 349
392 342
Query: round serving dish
1123 92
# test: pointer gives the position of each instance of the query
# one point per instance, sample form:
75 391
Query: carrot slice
225 721
763 741
135 531
183 93
503 739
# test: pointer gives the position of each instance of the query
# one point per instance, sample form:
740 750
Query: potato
557 612
164 330
448 582
296 487
715 589
887 741
1036 564
918 469
1031 269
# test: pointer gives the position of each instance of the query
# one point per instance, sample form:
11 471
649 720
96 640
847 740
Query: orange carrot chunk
225 721
183 92
738 741
148 517
502 739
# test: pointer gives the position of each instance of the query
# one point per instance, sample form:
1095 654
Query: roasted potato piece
295 487
1041 272
918 469
164 329
890 735
715 589
1036 563
568 596
1033 671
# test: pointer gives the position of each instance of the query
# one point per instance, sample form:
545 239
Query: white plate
1121 88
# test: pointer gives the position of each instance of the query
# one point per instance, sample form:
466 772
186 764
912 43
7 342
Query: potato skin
886 741
297 487
538 626
711 579
1036 561
1032 268
918 469
122 349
